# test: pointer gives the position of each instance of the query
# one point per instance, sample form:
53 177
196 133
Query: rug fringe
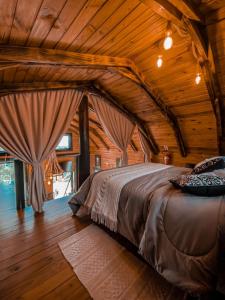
101 219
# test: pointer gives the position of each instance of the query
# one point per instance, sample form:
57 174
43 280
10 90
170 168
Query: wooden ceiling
185 116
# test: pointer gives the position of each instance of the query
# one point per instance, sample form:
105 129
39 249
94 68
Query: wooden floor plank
32 265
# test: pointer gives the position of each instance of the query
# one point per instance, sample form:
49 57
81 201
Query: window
2 151
66 143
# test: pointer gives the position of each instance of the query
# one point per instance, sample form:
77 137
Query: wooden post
19 182
84 158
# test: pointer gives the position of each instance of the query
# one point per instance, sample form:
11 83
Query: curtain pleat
52 166
144 146
117 127
31 126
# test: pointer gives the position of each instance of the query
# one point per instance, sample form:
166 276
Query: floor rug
110 272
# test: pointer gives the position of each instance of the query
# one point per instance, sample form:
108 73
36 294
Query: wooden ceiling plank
45 20
96 22
125 8
134 18
23 22
82 19
65 19
142 40
7 13
129 38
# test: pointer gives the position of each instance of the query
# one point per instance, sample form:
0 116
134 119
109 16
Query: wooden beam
29 56
190 10
19 182
96 134
11 87
75 129
84 157
165 9
133 146
96 123
4 66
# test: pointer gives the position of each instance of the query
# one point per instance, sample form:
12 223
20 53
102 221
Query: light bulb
168 42
159 61
197 78
49 182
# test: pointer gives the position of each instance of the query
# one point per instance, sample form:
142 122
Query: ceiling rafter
126 67
11 87
75 129
198 34
192 12
95 132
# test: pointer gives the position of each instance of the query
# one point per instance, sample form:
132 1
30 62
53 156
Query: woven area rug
109 271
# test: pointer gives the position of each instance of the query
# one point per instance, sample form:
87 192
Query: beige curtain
52 166
117 127
31 125
144 146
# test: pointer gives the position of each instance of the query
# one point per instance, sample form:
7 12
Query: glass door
7 185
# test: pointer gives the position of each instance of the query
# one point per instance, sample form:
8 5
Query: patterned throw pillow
201 185
209 166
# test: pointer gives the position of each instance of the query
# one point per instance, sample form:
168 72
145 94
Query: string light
159 61
168 41
198 74
197 78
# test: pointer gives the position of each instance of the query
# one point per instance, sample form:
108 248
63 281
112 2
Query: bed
180 235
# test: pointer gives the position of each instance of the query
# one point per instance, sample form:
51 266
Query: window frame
70 143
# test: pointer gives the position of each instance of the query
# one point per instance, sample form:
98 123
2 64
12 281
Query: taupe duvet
182 236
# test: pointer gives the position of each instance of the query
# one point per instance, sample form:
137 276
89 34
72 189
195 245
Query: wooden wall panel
108 157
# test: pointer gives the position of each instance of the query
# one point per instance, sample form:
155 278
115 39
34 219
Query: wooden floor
31 264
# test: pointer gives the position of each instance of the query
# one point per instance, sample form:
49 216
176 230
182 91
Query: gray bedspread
182 236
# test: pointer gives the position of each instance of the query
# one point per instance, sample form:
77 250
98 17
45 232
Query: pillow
209 165
200 184
220 172
208 159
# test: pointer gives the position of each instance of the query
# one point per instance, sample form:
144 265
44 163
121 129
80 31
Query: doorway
7 185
